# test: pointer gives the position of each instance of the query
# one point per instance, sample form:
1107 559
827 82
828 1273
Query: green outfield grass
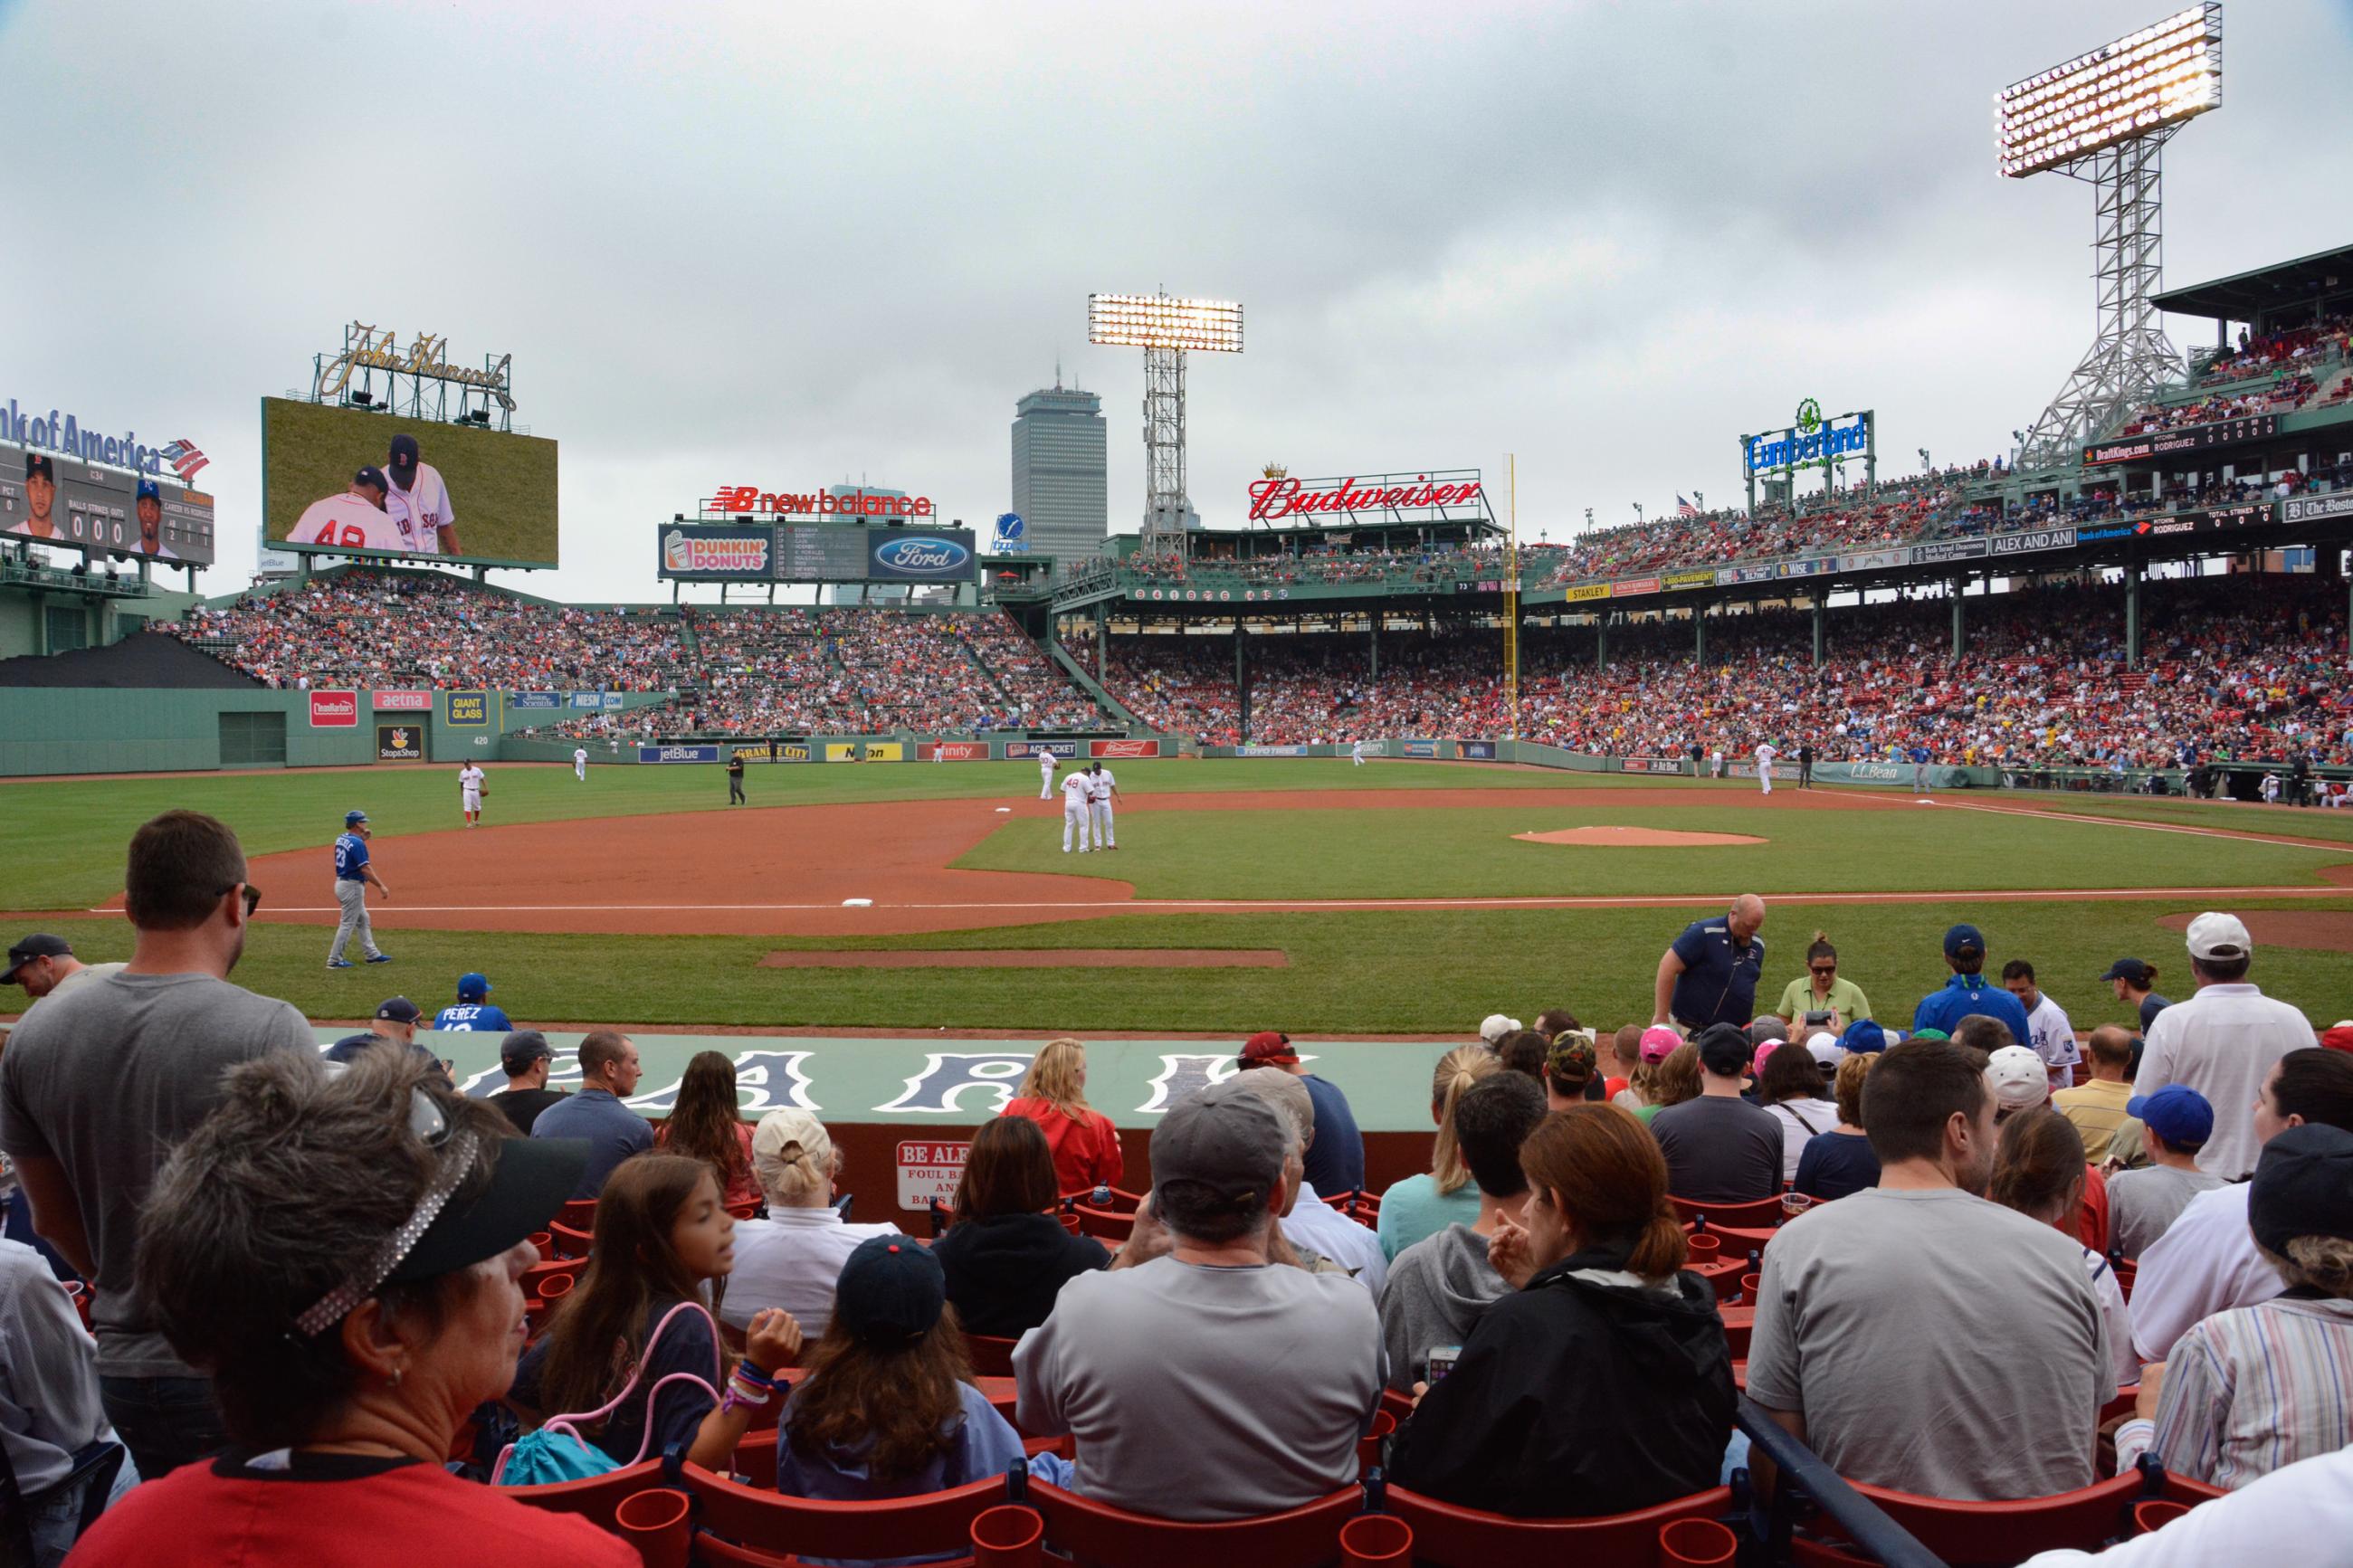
1433 972
1474 853
2235 816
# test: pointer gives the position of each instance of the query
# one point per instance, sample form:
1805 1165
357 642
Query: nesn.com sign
936 556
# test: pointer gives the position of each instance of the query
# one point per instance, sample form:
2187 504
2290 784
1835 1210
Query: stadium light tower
2104 117
1164 329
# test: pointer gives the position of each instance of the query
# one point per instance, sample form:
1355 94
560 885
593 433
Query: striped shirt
2251 1391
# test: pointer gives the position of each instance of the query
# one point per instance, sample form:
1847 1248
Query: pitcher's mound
1635 838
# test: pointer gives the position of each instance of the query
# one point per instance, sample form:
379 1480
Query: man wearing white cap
2222 1042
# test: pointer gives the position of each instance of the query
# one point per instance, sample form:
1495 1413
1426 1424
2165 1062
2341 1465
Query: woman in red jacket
1054 1096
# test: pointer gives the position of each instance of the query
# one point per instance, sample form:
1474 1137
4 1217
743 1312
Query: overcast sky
790 245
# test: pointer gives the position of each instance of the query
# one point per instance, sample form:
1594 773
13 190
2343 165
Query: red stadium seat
569 1243
580 1214
1967 1534
1445 1536
595 1499
1104 1225
744 1525
990 1357
1093 1532
1762 1215
1737 1321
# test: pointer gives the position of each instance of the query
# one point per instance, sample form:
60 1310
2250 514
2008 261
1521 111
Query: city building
1057 471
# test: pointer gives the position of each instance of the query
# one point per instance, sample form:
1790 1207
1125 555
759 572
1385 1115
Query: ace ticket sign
929 1170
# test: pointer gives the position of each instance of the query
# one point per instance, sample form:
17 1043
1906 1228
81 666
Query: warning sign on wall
928 1170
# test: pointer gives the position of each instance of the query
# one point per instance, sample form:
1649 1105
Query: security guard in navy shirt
1966 992
1709 975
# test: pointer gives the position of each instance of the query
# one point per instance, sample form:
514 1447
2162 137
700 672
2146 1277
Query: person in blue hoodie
1966 992
887 1408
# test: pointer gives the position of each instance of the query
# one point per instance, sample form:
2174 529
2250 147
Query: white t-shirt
470 779
1314 1223
2222 1043
1077 792
2205 1263
428 502
791 1260
2278 1517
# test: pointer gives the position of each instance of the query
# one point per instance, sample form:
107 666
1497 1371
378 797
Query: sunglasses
1824 968
252 896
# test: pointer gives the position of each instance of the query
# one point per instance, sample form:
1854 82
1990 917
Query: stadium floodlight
2156 78
1166 329
2104 117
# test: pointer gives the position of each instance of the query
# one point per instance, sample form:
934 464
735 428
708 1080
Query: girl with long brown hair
1602 1381
2039 1170
707 1124
641 1312
1425 1205
1007 1256
1054 1094
888 1407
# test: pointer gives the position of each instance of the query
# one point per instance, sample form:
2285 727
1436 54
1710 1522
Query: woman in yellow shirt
1819 990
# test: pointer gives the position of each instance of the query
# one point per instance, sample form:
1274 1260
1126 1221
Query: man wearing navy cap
417 486
40 497
352 875
150 521
2175 1122
1966 992
397 1018
474 1013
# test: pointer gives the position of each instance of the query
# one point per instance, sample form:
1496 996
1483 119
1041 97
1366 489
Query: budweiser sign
1279 496
335 710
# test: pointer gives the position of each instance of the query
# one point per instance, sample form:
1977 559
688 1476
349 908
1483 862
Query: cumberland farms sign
1278 495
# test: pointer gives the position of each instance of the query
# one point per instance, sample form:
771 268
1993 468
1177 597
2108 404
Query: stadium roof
2248 295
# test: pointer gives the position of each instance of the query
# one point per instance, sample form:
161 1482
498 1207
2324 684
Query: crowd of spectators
307 1284
2233 668
2288 391
2314 344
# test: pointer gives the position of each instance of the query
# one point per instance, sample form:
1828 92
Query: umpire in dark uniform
1805 764
735 779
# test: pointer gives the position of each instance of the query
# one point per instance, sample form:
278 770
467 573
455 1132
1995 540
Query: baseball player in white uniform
1078 808
366 516
1045 776
1357 753
1766 752
1105 787
580 763
469 793
426 500
2271 789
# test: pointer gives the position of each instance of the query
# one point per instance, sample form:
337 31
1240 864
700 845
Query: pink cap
1756 1062
1658 1043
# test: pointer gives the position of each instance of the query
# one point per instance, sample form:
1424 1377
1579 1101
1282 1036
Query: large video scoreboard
814 552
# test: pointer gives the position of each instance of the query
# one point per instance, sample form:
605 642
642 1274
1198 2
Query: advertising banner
794 752
1585 591
1944 550
952 750
1813 566
1412 748
62 497
2189 439
841 750
1270 751
1628 587
400 742
403 702
2312 508
1689 579
1875 560
886 752
451 490
588 699
534 700
928 1170
931 555
1032 748
2033 540
466 709
1652 765
1123 748
2254 514
717 552
1751 573
335 710
678 753
751 753
1748 770
1475 751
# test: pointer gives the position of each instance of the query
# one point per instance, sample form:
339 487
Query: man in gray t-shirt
1916 1336
101 1082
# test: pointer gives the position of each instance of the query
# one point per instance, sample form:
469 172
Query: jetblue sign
934 555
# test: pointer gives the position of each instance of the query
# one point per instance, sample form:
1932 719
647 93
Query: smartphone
1819 1020
1441 1362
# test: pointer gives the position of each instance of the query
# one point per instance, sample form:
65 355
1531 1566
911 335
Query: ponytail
1611 1182
1457 1070
1821 947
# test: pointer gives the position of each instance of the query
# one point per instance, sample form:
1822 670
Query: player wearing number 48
401 507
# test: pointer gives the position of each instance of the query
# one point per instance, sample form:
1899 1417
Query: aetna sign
1279 497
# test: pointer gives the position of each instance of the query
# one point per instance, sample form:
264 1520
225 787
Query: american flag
184 458
1684 508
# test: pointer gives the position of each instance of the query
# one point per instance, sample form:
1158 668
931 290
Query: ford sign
936 557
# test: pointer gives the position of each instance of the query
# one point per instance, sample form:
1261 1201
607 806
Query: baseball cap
1267 1046
1826 1050
1766 1031
1658 1043
2220 937
1722 1049
2127 969
1572 1060
890 1292
1756 1062
1495 1026
1864 1034
353 818
1963 939
2303 1186
790 1127
150 491
521 1048
2176 1113
2339 1039
1231 1141
38 463
40 945
398 1009
530 1178
372 475
473 987
2018 1078
404 453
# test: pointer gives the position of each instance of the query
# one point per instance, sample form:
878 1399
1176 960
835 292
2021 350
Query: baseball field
1306 894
